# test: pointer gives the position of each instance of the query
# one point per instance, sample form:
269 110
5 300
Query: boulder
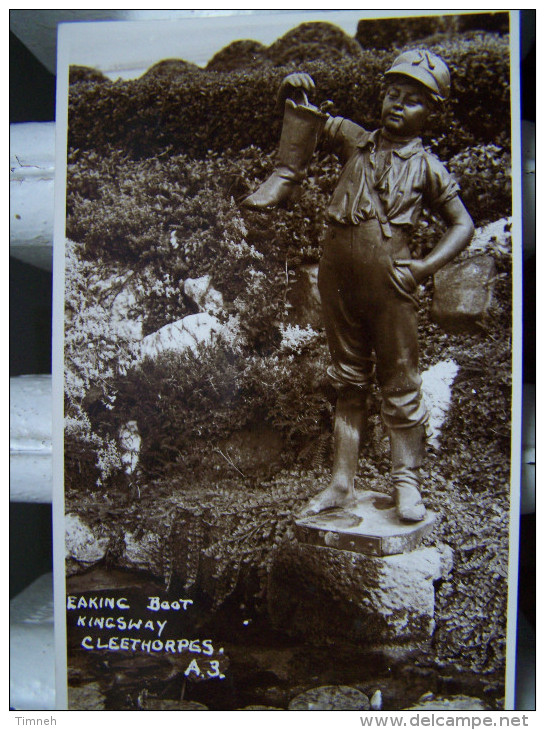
463 294
436 390
444 704
83 544
204 295
172 705
304 298
494 237
143 551
324 594
376 700
130 444
116 293
330 698
186 333
122 319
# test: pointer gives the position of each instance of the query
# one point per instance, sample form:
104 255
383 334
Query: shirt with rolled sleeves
395 192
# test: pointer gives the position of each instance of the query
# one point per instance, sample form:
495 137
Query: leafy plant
193 111
484 173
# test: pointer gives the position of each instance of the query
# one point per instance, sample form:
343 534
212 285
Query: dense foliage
389 33
155 175
131 211
184 109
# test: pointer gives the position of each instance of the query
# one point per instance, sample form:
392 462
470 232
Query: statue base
371 527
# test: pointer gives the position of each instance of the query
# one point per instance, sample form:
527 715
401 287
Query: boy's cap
425 67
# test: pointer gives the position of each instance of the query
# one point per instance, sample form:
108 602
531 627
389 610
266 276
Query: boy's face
405 108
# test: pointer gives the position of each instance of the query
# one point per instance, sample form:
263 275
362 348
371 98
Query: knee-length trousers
370 318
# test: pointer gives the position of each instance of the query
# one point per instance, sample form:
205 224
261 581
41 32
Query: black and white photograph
291 369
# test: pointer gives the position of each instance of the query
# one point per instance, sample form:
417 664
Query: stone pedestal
371 527
325 594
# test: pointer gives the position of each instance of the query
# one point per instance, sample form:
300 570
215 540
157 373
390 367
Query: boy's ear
434 102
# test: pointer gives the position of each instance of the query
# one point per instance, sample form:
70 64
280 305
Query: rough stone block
204 295
444 704
84 546
124 322
436 391
330 697
143 551
463 294
324 594
186 333
304 298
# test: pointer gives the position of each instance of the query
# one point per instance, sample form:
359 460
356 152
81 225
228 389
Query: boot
301 130
407 447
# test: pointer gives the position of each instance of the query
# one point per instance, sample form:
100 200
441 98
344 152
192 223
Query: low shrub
180 215
389 33
479 67
484 173
183 401
168 219
308 42
237 55
312 42
193 111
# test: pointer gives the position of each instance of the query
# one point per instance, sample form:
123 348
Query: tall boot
407 447
301 130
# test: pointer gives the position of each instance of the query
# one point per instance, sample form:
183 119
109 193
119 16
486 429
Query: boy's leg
350 416
403 410
407 447
352 366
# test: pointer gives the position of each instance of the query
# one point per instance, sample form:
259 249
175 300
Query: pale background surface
37 30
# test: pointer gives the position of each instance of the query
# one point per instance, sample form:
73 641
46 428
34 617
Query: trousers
370 318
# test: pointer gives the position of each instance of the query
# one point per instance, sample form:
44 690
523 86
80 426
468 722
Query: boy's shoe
407 451
409 504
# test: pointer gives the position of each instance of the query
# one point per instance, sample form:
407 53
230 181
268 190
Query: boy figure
367 279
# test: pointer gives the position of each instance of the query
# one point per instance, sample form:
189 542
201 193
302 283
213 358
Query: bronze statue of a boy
367 279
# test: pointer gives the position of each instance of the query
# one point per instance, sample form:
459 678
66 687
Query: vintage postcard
287 281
